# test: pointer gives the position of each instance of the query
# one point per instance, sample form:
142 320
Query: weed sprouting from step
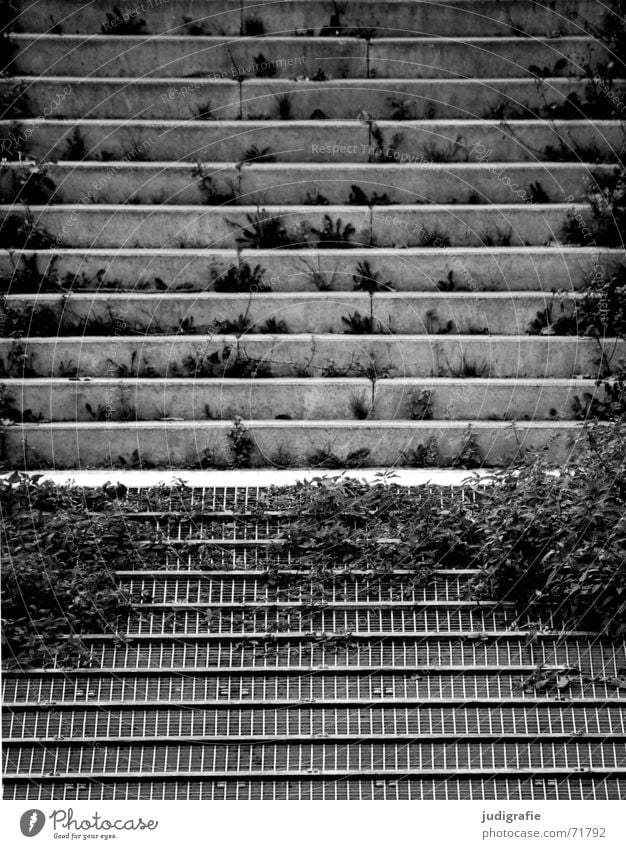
434 326
31 182
283 458
240 278
360 406
203 112
321 280
449 284
256 154
194 27
14 144
422 456
283 103
357 324
494 237
316 199
537 193
10 414
14 102
420 404
211 194
253 26
401 110
366 280
610 406
546 324
264 231
234 326
334 27
468 369
469 455
27 278
607 223
75 146
240 444
23 232
123 23
334 234
434 238
274 325
263 68
18 363
359 198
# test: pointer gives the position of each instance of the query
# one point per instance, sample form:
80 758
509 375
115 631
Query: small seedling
273 325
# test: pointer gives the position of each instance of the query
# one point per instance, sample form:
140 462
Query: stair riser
419 269
289 356
207 227
73 446
314 313
186 99
284 17
307 399
298 184
219 141
103 56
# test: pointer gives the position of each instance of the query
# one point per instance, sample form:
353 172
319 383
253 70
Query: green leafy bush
60 549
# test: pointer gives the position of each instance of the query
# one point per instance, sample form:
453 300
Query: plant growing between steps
358 324
420 404
334 234
240 444
23 232
211 195
264 231
240 278
27 278
30 182
123 23
255 154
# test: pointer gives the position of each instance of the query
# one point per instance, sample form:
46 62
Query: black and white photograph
313 422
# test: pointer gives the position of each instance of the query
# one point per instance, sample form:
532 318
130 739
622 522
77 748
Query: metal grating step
256 759
381 722
451 788
230 687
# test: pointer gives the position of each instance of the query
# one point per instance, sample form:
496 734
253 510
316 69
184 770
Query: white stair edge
261 477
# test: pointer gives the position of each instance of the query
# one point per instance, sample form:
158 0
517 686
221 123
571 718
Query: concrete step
203 313
308 355
372 443
140 226
313 141
290 183
262 99
112 399
410 269
310 17
186 56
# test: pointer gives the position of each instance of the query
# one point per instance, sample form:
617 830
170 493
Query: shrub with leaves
557 543
60 549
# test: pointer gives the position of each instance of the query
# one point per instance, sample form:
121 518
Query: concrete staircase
335 221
